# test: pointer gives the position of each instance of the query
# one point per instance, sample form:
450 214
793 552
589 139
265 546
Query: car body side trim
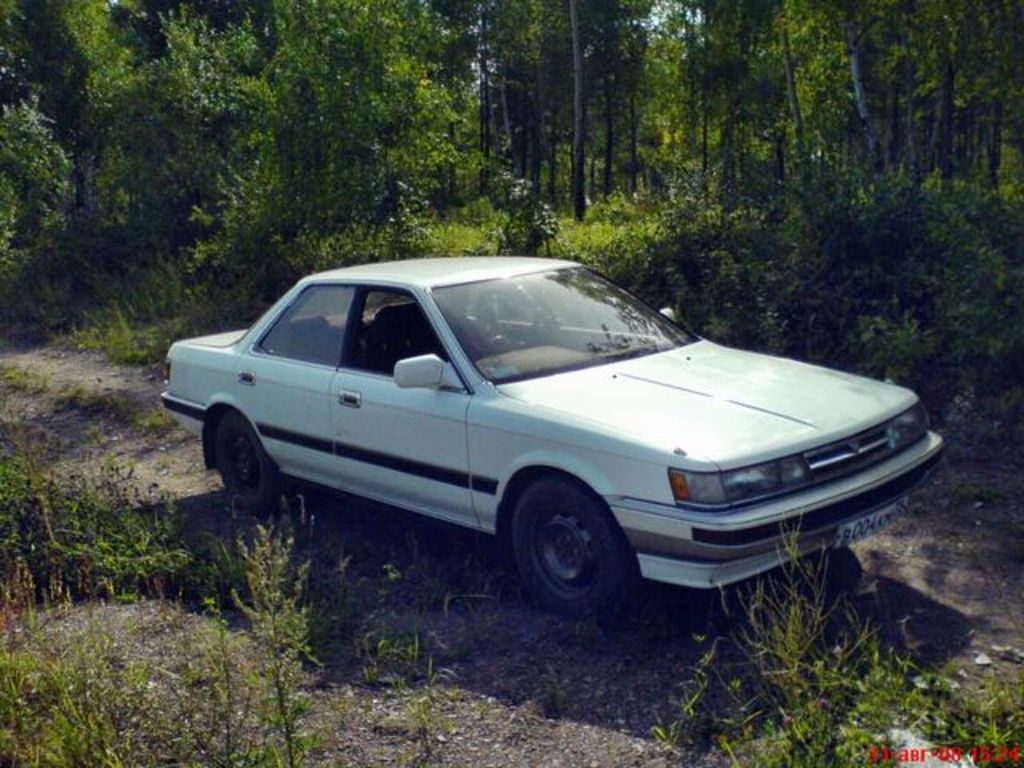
454 477
296 438
185 409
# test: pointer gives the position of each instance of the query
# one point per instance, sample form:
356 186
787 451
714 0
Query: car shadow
401 597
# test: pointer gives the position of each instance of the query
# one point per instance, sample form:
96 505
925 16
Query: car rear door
283 382
404 446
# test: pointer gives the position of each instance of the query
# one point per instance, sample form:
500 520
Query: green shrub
525 222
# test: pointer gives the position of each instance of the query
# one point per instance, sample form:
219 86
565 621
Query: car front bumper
708 549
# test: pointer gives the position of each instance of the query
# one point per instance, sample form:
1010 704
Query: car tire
248 473
570 552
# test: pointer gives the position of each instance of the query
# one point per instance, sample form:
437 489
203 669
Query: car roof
452 270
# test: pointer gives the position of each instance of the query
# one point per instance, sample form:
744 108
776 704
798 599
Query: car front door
405 446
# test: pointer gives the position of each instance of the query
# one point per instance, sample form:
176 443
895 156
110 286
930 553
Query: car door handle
247 377
350 398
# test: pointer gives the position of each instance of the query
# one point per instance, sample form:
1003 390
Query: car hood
718 404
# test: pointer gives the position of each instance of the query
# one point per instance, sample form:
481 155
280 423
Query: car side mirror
668 312
426 372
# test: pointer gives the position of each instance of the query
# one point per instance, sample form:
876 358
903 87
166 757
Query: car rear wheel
248 473
569 550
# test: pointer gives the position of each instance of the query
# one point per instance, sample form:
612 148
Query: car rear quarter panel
202 375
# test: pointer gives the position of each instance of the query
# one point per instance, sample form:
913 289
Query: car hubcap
565 550
244 462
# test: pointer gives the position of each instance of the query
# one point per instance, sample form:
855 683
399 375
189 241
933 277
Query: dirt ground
522 687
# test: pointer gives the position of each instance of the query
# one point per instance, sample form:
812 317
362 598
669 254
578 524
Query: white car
532 399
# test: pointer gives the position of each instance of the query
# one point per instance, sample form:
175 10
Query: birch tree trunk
609 135
485 110
861 97
633 153
579 195
794 97
946 123
909 89
995 147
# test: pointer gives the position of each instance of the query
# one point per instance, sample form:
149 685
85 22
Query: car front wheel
569 550
249 474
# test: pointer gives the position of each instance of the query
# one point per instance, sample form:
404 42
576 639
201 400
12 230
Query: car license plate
862 527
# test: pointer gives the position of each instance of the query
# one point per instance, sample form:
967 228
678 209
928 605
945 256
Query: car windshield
549 322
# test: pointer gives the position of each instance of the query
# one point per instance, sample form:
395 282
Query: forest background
838 181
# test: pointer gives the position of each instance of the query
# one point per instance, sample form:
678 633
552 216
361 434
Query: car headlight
739 484
909 427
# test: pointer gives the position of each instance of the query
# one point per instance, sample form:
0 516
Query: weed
88 535
84 704
694 723
93 402
23 379
114 687
280 631
126 340
220 685
152 421
388 657
808 683
331 608
422 712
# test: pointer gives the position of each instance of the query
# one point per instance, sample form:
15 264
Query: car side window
391 327
312 329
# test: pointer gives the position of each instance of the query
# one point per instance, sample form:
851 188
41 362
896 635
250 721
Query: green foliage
85 537
279 626
33 181
34 169
73 705
389 656
173 689
170 167
352 137
181 125
87 686
526 224
810 684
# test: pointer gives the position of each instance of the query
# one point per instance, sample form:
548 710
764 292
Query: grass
970 493
136 319
24 380
803 680
86 686
80 684
86 536
130 342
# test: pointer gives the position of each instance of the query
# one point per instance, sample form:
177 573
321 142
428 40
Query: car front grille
849 455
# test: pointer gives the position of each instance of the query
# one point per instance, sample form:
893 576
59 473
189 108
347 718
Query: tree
579 198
